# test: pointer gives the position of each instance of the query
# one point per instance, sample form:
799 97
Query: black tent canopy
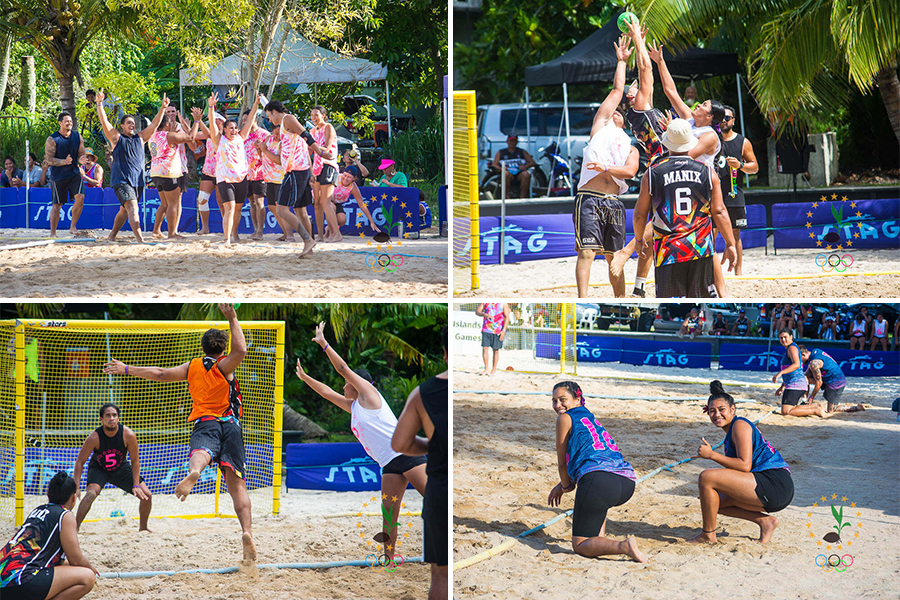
594 61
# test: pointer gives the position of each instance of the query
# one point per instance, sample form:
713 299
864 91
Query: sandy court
300 534
202 267
557 277
505 465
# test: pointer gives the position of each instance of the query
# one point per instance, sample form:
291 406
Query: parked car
498 121
636 317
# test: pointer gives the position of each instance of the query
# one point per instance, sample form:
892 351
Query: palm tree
800 54
61 29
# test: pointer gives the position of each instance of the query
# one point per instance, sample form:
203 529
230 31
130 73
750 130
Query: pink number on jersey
598 445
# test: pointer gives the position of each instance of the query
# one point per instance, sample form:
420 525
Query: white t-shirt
374 430
706 159
610 147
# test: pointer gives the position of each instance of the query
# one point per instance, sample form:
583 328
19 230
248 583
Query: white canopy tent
302 62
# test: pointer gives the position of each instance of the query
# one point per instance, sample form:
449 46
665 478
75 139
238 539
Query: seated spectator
784 318
91 172
806 324
391 177
720 325
354 166
764 321
741 325
691 325
858 332
829 329
896 342
12 175
879 333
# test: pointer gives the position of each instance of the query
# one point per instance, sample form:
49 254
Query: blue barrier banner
340 467
756 219
599 348
749 357
442 208
695 355
855 224
41 464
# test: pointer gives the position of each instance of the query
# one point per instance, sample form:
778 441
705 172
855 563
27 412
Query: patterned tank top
92 176
341 193
294 151
319 135
254 162
209 165
231 160
590 448
764 457
165 160
832 375
493 318
272 172
680 192
795 380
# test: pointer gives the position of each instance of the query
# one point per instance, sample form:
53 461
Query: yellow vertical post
574 341
472 157
20 424
278 410
562 338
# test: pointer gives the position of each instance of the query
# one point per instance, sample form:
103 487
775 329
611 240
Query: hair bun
715 387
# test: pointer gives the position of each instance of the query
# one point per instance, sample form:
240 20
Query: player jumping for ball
216 411
106 447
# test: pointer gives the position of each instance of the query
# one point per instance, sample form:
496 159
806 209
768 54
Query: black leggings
232 192
597 492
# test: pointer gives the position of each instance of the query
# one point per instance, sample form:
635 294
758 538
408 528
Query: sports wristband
326 347
126 369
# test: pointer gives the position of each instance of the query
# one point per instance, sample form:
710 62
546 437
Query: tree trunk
889 86
5 49
29 86
67 93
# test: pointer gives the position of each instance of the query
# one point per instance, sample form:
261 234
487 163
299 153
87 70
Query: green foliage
15 132
132 91
419 152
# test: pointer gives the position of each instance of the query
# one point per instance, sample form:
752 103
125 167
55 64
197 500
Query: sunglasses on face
728 118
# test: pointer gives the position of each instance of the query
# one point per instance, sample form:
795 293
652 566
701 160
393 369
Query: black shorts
295 189
167 184
223 440
257 188
272 192
328 176
182 182
126 193
689 279
833 395
774 488
738 216
792 397
232 192
597 492
122 478
402 464
491 340
205 177
64 189
35 588
434 512
599 222
338 209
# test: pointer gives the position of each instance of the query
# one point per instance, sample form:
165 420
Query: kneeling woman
43 559
589 459
373 423
755 480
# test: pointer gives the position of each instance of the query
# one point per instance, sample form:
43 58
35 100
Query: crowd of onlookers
862 329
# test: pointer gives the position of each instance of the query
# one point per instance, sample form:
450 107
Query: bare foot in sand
308 246
145 530
631 550
703 538
157 235
184 488
249 547
767 528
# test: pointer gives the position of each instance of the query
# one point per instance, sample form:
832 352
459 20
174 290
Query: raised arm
238 344
213 130
111 133
90 444
116 367
643 100
363 171
147 133
367 392
245 130
323 390
413 418
656 54
604 113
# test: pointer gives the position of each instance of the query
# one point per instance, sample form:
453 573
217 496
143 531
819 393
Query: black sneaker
639 293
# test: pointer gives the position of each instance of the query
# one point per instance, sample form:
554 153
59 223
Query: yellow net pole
465 185
157 325
574 341
472 151
278 415
562 338
20 424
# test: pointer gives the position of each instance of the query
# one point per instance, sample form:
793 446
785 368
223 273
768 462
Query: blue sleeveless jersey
765 457
591 448
832 375
795 380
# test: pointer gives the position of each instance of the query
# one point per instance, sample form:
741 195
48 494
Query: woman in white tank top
858 327
879 332
373 423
